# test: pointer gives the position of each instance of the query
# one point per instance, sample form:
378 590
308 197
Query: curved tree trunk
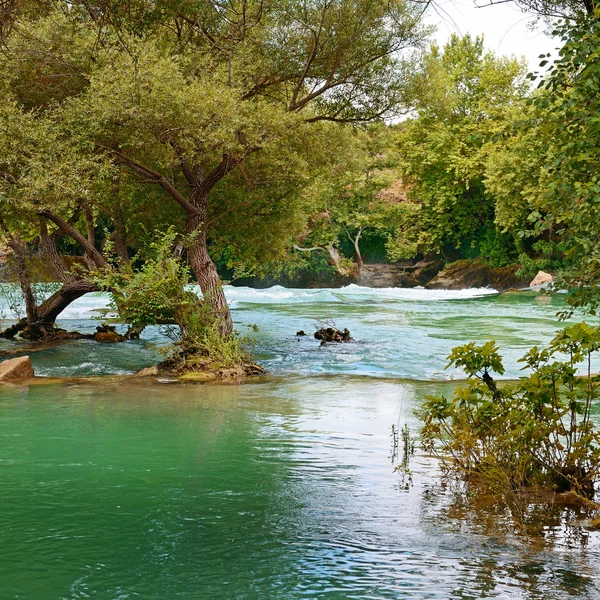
206 274
50 309
337 258
357 254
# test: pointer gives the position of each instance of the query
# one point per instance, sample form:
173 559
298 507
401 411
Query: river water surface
284 487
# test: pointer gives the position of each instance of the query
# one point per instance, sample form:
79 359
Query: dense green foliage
207 116
537 431
466 97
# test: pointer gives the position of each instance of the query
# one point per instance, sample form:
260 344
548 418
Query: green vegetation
281 137
466 97
156 294
210 117
536 432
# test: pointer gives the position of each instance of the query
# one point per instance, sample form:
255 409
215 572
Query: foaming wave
278 294
91 306
94 306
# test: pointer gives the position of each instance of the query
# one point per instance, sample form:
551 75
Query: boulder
148 372
402 274
331 334
379 276
108 337
460 275
16 368
463 274
108 334
425 270
542 278
506 278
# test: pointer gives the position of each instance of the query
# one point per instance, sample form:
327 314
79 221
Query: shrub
537 431
156 294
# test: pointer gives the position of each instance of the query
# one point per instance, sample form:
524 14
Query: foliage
156 294
221 106
571 106
537 431
347 198
465 97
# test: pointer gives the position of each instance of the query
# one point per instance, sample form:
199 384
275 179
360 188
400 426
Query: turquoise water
283 487
279 489
400 333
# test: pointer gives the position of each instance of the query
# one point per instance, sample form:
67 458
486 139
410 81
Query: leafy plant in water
156 294
537 431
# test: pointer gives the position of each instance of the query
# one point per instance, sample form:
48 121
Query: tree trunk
48 244
20 251
48 311
358 255
206 273
337 258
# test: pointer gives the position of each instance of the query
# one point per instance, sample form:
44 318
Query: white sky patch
503 26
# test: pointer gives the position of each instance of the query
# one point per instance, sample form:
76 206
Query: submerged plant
403 449
537 431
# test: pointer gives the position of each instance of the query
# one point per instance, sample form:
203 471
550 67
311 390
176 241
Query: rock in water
331 334
542 278
148 372
464 274
16 368
108 334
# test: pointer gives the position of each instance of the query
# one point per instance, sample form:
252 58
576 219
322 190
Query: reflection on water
278 489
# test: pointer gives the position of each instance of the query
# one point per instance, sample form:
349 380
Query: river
283 487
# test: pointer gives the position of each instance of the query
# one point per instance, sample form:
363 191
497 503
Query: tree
347 198
191 93
467 96
570 106
36 162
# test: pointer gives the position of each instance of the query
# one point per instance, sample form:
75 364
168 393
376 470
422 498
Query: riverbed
284 487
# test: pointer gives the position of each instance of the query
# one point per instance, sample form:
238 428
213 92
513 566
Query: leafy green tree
187 96
466 97
199 92
543 175
347 198
156 294
570 107
38 162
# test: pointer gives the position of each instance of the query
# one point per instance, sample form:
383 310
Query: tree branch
155 176
74 234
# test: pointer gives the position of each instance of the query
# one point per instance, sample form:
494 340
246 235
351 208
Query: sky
504 28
